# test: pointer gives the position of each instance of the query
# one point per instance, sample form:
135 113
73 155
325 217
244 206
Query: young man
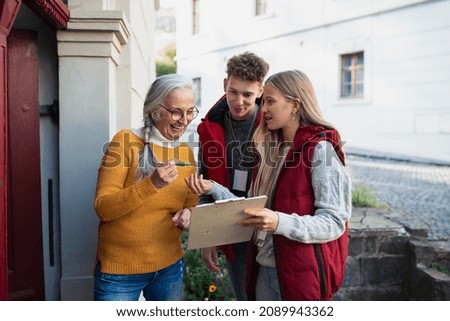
225 149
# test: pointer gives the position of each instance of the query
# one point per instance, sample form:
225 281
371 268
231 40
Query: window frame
197 84
260 8
195 17
263 8
353 69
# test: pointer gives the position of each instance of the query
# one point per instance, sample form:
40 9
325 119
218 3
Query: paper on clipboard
216 223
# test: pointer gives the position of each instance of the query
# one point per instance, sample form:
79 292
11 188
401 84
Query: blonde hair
269 144
155 98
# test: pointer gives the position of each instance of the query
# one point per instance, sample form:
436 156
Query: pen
179 163
182 164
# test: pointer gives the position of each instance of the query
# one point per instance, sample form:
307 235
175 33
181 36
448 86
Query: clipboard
215 224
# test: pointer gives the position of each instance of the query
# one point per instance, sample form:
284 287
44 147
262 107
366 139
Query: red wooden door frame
8 13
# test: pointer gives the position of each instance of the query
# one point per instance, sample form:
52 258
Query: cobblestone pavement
417 194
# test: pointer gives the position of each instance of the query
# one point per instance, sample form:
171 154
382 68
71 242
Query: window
352 75
260 7
263 7
197 83
195 16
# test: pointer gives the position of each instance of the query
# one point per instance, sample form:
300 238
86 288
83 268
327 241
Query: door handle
51 232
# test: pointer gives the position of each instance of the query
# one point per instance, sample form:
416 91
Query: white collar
156 137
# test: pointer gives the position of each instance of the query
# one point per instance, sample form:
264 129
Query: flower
212 288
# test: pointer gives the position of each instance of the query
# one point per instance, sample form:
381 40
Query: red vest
305 271
213 145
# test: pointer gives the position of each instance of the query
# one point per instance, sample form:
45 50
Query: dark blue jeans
236 271
267 288
163 285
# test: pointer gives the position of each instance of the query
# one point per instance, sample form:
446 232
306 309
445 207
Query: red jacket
305 271
213 147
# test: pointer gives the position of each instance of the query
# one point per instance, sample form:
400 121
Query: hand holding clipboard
223 222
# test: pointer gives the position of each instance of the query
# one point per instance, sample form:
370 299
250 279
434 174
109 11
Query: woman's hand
211 259
261 218
164 174
182 218
198 185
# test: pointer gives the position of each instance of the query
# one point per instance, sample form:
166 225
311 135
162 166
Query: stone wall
430 278
386 263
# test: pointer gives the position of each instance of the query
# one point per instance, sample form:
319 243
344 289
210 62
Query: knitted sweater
332 191
136 233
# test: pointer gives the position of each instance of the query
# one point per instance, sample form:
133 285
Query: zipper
323 286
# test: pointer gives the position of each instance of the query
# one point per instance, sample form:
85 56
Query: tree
167 65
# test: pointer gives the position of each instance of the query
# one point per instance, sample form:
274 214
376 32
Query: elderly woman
142 199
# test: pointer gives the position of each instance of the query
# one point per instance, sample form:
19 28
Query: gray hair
156 96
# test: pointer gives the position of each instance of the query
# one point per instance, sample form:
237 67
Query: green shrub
364 196
199 283
440 267
167 65
165 69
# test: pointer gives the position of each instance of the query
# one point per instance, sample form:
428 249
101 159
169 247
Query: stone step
386 262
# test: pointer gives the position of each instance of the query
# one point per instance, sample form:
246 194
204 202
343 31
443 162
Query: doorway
34 259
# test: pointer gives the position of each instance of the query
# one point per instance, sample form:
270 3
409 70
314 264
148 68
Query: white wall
137 69
84 127
407 107
406 43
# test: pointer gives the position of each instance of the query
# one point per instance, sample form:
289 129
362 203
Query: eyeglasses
177 114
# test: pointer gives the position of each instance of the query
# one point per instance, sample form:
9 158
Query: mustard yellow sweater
136 233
